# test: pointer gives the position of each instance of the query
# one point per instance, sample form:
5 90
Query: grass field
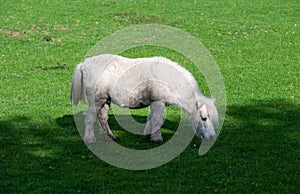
255 43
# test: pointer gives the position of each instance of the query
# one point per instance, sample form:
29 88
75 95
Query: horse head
206 119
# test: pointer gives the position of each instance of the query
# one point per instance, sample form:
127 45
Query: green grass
255 44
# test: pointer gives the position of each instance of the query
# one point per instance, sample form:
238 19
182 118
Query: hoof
89 140
157 138
109 137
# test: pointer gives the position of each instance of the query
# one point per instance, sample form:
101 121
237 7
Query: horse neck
189 105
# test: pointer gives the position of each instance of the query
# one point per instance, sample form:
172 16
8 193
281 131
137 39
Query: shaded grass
255 45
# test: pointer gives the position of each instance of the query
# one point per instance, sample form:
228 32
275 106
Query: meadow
255 44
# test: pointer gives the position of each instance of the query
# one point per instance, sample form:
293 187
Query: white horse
136 83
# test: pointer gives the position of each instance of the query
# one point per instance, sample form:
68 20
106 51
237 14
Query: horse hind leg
90 118
155 121
103 119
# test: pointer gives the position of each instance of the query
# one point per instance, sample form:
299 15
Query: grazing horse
137 83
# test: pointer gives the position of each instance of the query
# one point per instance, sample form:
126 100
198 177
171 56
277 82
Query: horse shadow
127 128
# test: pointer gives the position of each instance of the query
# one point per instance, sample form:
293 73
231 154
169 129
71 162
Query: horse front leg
103 119
155 121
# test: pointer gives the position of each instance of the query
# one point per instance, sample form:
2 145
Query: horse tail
77 86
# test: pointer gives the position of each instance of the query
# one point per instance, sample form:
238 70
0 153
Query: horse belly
133 99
